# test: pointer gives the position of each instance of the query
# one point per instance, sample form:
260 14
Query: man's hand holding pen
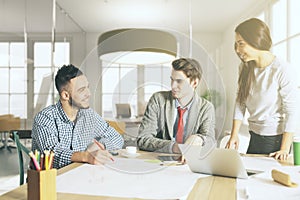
97 154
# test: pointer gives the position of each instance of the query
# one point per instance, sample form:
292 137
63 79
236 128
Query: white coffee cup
131 149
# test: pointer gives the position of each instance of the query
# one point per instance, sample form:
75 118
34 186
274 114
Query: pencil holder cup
41 185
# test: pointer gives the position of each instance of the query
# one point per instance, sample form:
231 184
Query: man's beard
76 105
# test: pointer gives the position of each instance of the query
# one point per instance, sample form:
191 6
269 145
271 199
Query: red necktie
180 126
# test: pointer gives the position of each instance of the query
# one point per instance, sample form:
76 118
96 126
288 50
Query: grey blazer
156 129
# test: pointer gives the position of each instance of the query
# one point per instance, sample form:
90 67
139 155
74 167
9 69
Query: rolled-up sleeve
107 135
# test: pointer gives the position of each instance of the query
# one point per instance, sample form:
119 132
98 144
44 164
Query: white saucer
129 155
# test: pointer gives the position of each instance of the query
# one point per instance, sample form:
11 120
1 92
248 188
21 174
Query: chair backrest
123 110
119 126
16 135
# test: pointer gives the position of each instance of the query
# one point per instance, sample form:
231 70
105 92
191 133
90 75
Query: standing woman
267 89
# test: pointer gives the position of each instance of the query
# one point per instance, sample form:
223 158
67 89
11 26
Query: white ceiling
103 15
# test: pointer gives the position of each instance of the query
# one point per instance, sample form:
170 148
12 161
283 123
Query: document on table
262 186
131 178
259 163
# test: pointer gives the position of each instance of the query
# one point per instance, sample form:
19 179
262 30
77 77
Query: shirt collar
62 112
64 115
177 104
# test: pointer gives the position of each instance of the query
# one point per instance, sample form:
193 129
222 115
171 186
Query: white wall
229 71
78 48
93 70
209 41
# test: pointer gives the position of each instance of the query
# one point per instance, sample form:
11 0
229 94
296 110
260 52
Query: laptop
215 161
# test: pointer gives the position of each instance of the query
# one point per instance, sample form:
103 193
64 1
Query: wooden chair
119 126
16 135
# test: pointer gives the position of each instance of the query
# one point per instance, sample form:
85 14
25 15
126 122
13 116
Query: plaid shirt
52 130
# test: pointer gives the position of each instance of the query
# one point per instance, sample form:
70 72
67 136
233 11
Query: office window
14 91
279 21
286 31
119 84
43 86
280 50
294 33
13 76
294 16
133 84
294 55
157 78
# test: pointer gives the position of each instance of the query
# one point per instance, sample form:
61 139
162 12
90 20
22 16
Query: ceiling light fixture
137 46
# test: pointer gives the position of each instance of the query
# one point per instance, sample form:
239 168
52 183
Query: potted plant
213 96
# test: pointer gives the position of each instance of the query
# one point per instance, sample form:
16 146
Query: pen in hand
101 147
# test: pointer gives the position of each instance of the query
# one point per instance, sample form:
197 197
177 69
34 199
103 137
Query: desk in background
7 122
128 127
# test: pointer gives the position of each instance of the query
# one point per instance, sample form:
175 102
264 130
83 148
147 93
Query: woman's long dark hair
257 34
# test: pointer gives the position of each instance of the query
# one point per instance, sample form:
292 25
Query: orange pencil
51 160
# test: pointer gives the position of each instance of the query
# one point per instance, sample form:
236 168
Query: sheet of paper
131 178
259 163
134 166
262 186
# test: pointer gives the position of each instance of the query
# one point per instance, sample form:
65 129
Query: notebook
221 162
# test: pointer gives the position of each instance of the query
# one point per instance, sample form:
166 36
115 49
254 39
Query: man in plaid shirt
70 126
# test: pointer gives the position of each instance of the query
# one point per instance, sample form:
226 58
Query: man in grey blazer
160 125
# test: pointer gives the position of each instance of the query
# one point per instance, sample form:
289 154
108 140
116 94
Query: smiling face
181 85
79 92
245 52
